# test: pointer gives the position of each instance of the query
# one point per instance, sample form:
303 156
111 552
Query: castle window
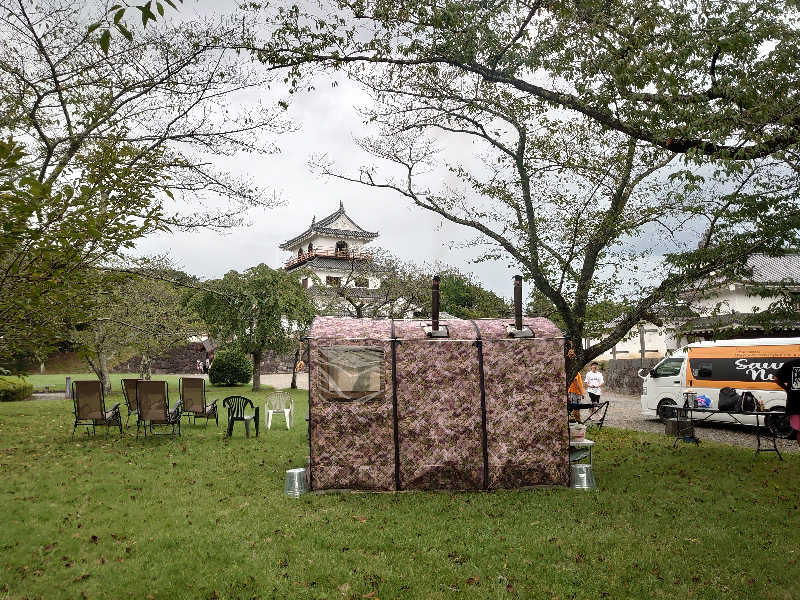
341 247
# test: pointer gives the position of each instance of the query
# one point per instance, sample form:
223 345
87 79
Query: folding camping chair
89 404
595 409
131 403
279 402
153 398
192 392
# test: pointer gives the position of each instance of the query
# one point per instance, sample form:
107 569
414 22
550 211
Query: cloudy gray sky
327 122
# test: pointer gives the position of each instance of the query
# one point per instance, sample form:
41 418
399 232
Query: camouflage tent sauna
394 407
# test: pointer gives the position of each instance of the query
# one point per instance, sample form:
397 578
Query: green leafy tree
716 78
131 315
101 149
592 200
52 236
260 309
462 297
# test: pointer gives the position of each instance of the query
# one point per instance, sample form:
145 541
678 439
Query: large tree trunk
99 366
100 369
257 370
104 376
574 356
145 368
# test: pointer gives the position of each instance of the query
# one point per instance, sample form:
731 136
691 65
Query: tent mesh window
352 373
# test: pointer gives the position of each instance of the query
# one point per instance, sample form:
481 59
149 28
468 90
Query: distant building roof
323 227
756 322
774 269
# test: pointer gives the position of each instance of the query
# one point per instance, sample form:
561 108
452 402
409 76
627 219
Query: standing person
199 366
788 377
575 395
594 381
208 364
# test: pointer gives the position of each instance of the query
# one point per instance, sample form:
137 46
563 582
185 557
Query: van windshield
669 368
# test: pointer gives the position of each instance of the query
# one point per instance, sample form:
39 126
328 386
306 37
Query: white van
707 367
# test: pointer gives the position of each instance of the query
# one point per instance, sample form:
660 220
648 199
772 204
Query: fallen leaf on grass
473 581
360 519
370 595
81 578
94 539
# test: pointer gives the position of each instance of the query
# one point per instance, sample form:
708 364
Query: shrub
14 388
230 367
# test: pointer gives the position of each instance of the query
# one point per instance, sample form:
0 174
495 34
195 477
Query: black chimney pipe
518 302
435 303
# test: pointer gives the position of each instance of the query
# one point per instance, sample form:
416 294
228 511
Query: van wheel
778 424
664 409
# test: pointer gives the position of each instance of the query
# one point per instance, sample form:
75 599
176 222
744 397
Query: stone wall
621 374
279 363
183 359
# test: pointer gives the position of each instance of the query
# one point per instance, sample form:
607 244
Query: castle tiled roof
774 269
323 227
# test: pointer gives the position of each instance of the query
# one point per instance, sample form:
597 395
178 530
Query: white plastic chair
279 402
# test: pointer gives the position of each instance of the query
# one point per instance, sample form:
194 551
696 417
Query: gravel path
624 411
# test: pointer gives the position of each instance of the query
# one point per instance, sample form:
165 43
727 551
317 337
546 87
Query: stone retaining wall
621 374
183 359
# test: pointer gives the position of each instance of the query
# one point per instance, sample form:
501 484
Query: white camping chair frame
279 402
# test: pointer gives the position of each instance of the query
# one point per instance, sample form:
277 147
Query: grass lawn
205 517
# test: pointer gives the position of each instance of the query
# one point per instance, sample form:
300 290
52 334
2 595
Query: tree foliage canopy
257 310
628 152
717 78
130 314
100 148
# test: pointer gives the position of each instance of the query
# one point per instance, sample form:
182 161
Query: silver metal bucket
581 477
295 483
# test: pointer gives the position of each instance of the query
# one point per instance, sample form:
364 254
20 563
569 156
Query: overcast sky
327 122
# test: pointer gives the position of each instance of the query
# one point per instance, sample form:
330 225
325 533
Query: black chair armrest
177 409
115 407
212 403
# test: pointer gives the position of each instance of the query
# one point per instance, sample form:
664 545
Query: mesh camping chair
90 407
280 402
153 398
192 391
129 393
236 406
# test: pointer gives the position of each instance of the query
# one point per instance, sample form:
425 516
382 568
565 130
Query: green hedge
230 367
14 388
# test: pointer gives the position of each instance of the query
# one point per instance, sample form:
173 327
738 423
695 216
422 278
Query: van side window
701 370
669 368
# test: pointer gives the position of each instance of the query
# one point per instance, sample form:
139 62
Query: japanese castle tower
328 248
